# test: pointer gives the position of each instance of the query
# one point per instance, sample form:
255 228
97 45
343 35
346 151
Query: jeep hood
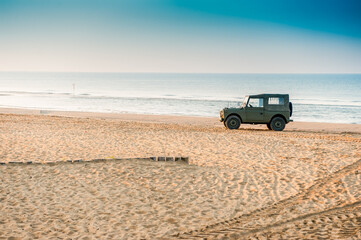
232 108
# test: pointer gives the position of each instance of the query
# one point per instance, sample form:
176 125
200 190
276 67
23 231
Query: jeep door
254 110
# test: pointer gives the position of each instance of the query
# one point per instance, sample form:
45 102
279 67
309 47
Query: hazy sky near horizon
228 36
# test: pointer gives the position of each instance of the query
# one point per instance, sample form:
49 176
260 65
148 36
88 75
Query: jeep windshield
245 102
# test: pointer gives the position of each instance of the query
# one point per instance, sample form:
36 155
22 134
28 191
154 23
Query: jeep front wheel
278 124
233 122
269 126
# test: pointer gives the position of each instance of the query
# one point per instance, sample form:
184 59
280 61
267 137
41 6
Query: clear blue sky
236 36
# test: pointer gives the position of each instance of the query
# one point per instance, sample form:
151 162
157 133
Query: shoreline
185 120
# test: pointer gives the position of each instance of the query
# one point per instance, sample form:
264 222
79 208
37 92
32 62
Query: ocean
334 98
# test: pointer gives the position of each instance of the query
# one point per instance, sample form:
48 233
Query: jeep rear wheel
278 124
233 122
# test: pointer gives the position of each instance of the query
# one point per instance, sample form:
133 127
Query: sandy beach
251 183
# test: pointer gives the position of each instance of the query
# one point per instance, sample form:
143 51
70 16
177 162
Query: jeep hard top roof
268 95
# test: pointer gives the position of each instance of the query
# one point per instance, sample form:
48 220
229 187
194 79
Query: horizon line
21 71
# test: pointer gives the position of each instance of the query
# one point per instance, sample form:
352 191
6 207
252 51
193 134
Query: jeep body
274 110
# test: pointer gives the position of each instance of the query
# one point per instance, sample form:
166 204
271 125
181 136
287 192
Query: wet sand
245 184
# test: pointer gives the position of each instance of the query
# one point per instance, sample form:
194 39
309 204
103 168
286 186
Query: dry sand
251 183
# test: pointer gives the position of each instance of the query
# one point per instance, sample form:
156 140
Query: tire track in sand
335 223
234 226
303 135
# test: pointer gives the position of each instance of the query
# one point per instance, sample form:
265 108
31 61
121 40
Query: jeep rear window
276 101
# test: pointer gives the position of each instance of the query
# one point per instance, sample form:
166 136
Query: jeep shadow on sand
274 110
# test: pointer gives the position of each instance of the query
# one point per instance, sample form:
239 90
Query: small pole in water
73 89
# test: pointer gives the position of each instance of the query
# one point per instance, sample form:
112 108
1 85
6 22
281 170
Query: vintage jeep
274 110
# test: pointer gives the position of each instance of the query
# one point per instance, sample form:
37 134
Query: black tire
269 126
278 124
224 123
291 109
233 122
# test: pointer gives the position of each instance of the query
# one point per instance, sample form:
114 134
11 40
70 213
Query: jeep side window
276 101
255 102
